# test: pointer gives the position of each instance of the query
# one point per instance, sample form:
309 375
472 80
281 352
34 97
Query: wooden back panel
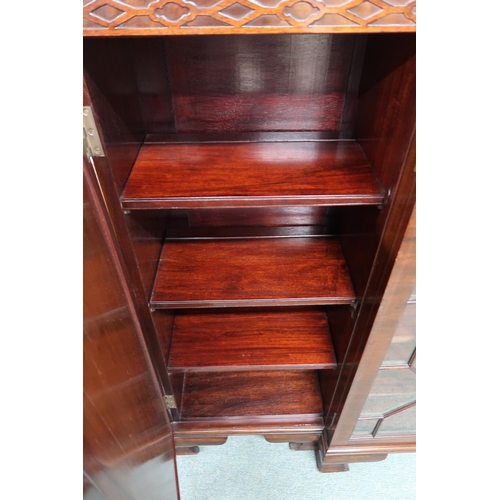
225 84
259 83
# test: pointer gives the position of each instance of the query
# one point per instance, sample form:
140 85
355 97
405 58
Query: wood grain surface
243 340
251 272
259 83
251 174
242 394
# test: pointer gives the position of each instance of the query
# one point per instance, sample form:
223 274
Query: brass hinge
91 141
169 402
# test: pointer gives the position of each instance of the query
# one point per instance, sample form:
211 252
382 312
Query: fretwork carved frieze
164 17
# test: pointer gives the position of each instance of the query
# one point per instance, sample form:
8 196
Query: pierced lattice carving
236 11
156 17
107 13
365 10
300 11
172 12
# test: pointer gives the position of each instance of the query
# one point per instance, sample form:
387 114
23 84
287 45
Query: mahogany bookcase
252 166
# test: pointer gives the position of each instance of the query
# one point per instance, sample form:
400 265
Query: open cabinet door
128 444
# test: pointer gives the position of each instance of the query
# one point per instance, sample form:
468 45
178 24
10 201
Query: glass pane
400 423
413 364
392 388
404 340
365 427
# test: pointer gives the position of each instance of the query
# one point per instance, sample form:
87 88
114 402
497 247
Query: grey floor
250 468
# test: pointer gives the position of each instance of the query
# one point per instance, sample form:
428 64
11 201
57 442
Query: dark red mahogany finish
126 429
263 83
248 394
250 174
251 272
256 189
218 340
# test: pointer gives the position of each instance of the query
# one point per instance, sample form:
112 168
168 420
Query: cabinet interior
256 173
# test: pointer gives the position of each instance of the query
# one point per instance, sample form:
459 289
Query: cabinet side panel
384 126
147 231
386 111
112 88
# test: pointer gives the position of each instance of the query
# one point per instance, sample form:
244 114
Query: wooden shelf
244 340
251 174
250 394
251 272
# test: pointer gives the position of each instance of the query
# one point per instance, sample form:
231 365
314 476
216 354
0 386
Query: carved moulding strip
182 17
335 459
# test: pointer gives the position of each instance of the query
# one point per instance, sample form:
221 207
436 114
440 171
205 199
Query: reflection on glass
365 427
400 423
392 388
399 351
404 340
